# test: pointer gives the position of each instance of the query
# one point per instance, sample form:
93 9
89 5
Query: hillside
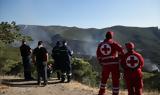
85 41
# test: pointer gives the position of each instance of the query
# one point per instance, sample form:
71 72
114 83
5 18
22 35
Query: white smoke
149 66
36 34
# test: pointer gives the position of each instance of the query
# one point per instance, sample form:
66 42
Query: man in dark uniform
65 54
25 53
40 58
56 56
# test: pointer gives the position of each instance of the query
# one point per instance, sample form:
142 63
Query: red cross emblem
132 61
105 49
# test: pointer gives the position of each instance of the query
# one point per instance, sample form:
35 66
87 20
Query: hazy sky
82 13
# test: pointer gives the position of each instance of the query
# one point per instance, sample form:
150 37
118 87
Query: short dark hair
64 41
40 43
109 35
23 41
58 43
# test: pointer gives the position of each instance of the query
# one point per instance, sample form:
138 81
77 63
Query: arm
120 51
46 57
98 54
30 50
142 61
33 59
52 53
70 51
122 62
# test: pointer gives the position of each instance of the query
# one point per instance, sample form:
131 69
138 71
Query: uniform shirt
25 50
132 63
65 53
40 54
108 52
56 52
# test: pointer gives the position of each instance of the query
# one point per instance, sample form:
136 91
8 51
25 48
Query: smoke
149 66
37 33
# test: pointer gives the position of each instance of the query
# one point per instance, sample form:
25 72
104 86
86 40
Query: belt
109 63
107 57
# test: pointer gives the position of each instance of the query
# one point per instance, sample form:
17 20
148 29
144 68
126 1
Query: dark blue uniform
65 55
56 56
25 53
41 63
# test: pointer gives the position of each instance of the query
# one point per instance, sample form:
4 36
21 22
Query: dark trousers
57 68
66 71
27 67
41 71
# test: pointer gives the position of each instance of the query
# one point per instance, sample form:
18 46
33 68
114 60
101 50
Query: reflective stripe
98 57
103 84
115 88
64 74
69 74
102 87
107 57
108 63
116 91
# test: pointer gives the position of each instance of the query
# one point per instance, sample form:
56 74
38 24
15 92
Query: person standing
66 55
132 63
108 54
56 56
26 54
40 58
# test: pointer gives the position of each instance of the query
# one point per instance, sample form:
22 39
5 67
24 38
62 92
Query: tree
9 32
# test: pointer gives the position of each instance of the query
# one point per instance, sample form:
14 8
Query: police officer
40 58
132 63
108 55
56 56
65 54
25 53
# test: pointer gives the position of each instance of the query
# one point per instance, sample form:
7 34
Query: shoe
62 80
45 84
68 79
31 78
39 83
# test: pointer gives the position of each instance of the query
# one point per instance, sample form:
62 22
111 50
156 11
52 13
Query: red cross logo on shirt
132 61
105 49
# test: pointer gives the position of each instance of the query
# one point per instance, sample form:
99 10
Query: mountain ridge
85 41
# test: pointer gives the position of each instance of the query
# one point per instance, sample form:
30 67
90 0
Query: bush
9 58
83 72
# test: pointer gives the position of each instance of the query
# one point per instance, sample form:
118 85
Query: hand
133 69
33 61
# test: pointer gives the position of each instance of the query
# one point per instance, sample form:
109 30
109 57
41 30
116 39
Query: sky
82 13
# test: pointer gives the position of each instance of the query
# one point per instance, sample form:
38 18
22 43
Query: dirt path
17 86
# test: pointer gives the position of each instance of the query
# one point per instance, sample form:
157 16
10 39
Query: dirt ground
17 86
11 85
